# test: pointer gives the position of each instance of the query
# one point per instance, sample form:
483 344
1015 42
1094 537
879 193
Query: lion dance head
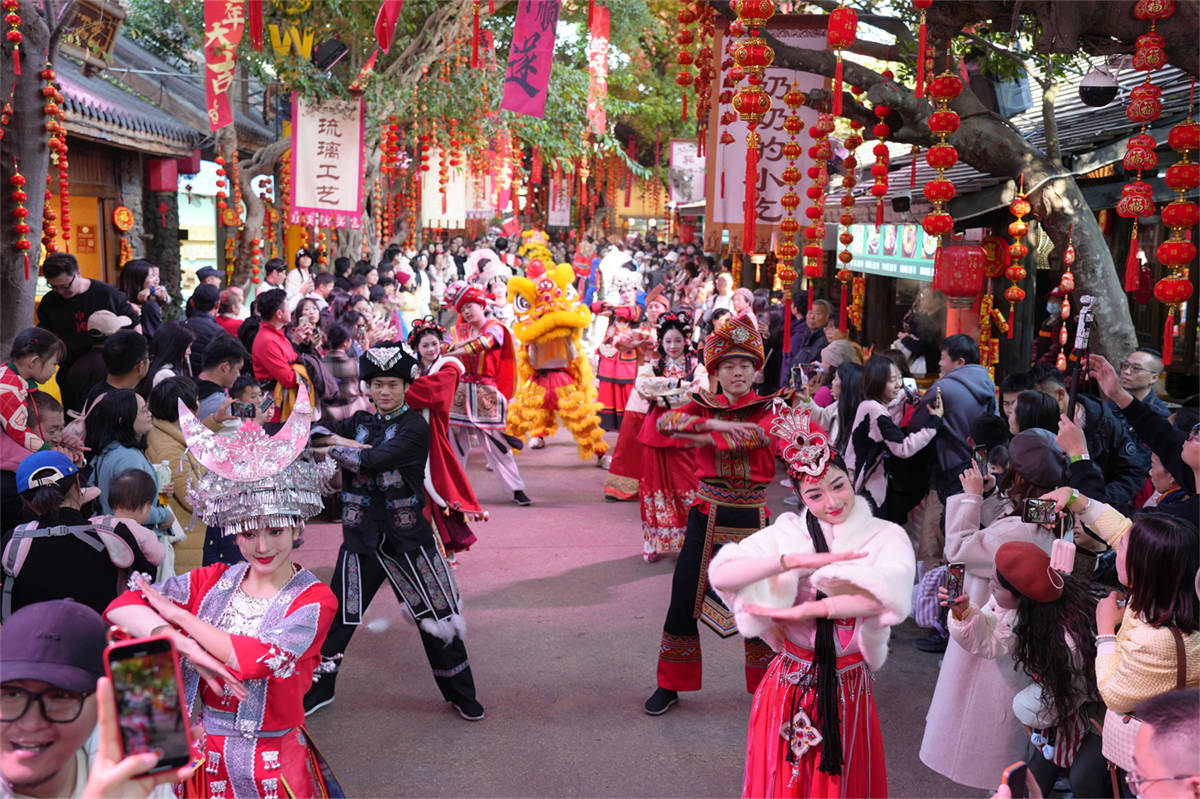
546 304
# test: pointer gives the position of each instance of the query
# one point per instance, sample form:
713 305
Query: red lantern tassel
751 207
722 184
812 293
1132 264
1011 319
787 319
842 309
254 21
27 270
1168 348
591 8
919 91
16 59
912 174
837 86
475 38
879 213
492 7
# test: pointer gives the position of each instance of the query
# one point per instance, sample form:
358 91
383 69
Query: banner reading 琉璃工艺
223 27
530 57
327 162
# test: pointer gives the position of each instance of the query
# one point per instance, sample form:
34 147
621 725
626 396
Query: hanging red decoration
922 6
820 152
989 346
14 35
1017 251
1180 216
685 57
1066 284
841 33
751 57
20 213
787 250
704 71
958 272
882 159
56 116
941 156
849 181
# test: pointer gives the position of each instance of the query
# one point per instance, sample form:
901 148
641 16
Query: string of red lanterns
787 250
1017 251
19 212
840 35
879 170
685 57
14 35
820 152
752 102
1066 284
1180 216
942 156
849 181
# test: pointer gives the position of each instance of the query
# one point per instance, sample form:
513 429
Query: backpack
97 536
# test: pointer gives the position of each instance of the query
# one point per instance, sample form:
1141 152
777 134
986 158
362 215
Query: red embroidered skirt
625 470
768 771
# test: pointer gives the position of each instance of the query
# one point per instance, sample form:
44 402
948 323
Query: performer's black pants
451 668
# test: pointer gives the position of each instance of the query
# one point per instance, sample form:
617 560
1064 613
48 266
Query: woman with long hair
1034 409
822 589
968 687
1046 621
668 482
139 282
305 329
117 429
170 352
837 418
875 433
1140 648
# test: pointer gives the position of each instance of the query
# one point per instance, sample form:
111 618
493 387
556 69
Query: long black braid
828 715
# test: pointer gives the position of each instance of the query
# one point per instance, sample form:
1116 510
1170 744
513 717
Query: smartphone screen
910 385
145 678
267 403
955 575
981 458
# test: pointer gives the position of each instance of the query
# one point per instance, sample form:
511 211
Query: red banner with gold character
223 26
598 70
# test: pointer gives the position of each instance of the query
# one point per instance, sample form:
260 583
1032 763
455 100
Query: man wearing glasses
72 299
51 654
1166 754
1139 374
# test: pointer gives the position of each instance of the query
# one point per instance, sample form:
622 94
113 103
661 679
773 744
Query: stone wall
129 174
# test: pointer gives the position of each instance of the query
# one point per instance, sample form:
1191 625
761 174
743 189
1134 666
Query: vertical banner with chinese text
598 71
327 162
726 163
223 26
558 214
531 56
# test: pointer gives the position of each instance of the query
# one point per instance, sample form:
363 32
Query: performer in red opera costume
625 470
734 464
668 483
452 502
823 589
479 415
619 353
251 632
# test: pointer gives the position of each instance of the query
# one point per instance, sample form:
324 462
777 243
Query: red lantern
1139 158
843 25
788 250
1184 136
789 225
1183 176
958 272
1018 229
1181 214
1176 253
1173 290
1020 206
1016 273
753 13
1014 294
939 191
1017 251
942 156
938 223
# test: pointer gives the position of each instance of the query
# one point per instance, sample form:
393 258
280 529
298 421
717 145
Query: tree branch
1004 52
57 31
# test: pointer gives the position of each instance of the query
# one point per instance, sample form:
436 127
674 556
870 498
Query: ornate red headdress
806 447
734 337
422 326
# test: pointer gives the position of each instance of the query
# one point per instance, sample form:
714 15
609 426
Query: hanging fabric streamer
1132 263
751 207
475 36
254 21
921 6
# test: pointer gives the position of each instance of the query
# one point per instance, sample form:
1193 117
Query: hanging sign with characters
531 56
327 162
223 26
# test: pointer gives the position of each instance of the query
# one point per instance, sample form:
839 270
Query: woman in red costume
250 633
823 589
453 503
668 483
620 353
625 470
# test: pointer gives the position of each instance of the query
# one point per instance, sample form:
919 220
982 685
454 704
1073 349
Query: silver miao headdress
254 480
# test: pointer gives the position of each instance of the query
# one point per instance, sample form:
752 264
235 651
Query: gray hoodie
967 393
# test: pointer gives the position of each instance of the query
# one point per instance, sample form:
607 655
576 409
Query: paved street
563 624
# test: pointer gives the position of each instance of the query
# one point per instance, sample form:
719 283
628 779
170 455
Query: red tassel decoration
492 8
591 8
751 208
17 59
812 293
912 174
842 310
27 272
254 21
837 86
684 118
475 37
879 213
787 324
1132 264
919 91
1168 348
722 183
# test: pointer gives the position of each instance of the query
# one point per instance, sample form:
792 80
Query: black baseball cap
205 272
60 642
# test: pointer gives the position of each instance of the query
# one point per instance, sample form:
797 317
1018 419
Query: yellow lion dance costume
553 373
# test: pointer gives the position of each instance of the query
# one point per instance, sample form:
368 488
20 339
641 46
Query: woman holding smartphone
250 632
822 589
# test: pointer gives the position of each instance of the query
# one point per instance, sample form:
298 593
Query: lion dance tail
580 409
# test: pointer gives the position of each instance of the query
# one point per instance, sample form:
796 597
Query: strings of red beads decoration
941 156
879 170
56 116
787 250
285 198
685 57
752 103
222 195
704 72
1066 284
849 181
1181 216
1017 251
989 346
20 213
1145 106
820 152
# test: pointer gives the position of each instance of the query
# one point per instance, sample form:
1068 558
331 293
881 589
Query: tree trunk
23 149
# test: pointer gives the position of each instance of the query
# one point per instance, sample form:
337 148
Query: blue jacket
116 459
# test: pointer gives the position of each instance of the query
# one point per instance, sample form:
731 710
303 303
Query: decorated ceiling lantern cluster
820 152
685 58
941 156
1017 251
846 237
1181 216
879 170
840 35
751 56
1066 284
922 6
1145 106
787 250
